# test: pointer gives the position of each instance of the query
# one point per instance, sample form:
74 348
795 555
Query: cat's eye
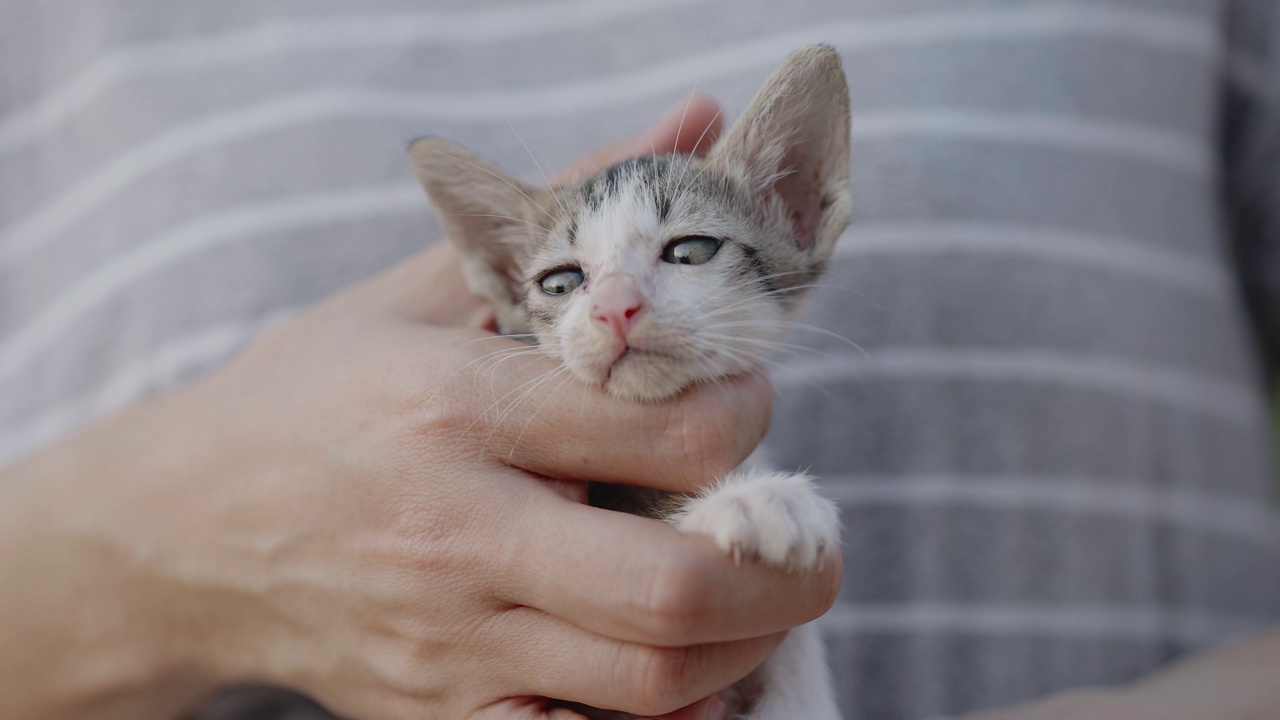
562 281
692 250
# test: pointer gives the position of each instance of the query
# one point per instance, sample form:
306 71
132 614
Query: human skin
348 510
1240 681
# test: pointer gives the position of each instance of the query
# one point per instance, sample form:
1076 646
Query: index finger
640 581
536 416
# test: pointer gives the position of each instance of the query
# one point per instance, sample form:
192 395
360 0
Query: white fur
776 517
796 683
780 519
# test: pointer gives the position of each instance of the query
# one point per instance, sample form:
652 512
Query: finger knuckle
704 439
663 680
446 416
831 590
674 601
454 402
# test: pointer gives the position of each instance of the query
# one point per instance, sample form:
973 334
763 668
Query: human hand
353 510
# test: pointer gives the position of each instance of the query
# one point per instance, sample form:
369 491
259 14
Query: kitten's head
662 271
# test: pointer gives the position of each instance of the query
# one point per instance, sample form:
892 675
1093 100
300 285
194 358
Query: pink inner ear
801 190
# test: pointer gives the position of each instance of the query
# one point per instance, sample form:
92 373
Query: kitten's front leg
777 517
781 520
795 683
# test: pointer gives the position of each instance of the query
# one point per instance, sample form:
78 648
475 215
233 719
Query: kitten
666 271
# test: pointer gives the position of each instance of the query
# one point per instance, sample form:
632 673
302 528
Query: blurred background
1054 458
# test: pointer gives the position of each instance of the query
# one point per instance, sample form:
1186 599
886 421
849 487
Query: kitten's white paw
777 517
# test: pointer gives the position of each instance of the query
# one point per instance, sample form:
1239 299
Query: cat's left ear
792 145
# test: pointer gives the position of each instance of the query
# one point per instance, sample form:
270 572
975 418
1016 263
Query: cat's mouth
641 374
632 355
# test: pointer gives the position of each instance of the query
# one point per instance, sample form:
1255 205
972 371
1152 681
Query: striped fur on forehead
644 199
622 219
662 178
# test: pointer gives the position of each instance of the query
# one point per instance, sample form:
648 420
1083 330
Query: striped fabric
1051 452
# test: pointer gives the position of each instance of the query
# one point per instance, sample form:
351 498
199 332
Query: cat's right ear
492 218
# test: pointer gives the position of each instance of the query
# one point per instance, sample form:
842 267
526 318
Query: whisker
785 273
760 281
560 203
533 416
488 369
506 395
792 325
487 171
763 360
516 403
828 286
482 359
719 111
775 345
716 312
475 71
680 127
519 349
759 360
487 338
504 217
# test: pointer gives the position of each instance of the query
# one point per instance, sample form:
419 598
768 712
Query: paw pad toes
776 520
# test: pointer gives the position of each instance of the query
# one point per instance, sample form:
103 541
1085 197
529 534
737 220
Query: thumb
690 127
527 708
711 708
429 288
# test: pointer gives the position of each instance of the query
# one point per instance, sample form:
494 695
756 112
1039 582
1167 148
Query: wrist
91 630
1236 681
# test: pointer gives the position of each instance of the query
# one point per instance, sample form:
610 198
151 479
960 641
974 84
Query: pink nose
615 303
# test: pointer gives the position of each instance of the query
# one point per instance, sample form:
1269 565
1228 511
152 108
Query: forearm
88 631
1240 682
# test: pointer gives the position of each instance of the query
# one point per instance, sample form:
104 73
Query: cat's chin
637 376
642 376
627 388
649 377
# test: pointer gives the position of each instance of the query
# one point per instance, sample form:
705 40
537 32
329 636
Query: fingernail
646 140
715 709
677 111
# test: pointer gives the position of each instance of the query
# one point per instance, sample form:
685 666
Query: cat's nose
615 303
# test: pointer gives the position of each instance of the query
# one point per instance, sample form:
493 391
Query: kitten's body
665 271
